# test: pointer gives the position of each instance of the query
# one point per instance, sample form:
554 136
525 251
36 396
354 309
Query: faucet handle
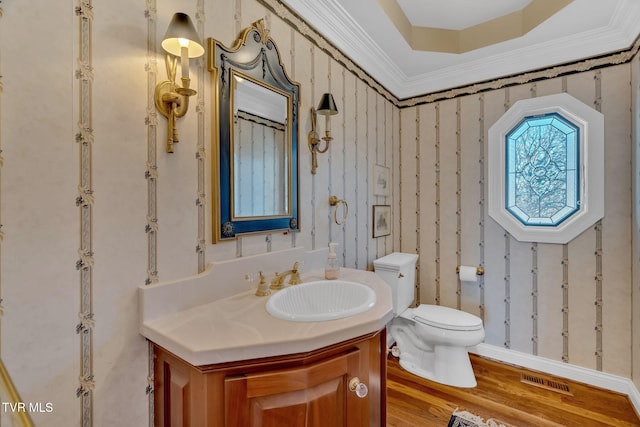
295 273
263 286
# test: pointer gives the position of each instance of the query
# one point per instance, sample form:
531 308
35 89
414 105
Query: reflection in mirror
260 151
254 137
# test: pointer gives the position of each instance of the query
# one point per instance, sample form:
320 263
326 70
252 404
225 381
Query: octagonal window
542 170
546 169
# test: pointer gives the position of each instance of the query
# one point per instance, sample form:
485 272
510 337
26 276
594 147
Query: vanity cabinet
300 390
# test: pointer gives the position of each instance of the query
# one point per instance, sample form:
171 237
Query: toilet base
451 366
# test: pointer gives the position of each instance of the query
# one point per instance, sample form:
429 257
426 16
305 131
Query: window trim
591 147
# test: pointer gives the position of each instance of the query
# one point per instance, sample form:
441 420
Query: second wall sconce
172 101
327 108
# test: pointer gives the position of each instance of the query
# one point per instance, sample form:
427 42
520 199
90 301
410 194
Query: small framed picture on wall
381 181
381 220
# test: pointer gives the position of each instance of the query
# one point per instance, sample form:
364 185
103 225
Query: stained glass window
546 169
542 170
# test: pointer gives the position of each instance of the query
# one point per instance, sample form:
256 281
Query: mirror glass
261 168
254 137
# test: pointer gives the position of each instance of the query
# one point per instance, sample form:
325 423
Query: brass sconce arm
313 140
326 108
172 101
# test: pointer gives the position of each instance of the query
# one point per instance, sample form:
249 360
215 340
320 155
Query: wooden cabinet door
308 396
173 394
179 393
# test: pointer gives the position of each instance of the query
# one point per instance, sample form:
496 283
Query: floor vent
546 383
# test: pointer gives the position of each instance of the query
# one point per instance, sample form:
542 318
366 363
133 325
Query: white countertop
238 327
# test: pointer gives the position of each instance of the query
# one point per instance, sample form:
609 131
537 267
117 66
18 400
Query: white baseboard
575 373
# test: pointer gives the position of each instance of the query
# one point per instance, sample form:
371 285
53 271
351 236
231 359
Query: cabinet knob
360 389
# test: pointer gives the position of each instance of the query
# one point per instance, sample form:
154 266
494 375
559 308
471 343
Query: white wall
41 109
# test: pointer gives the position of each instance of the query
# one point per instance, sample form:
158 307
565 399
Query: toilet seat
446 318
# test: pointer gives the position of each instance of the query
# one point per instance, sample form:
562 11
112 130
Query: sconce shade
181 27
327 106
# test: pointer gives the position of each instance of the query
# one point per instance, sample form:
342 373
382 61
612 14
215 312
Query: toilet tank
399 271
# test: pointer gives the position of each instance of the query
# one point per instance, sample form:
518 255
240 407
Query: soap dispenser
332 268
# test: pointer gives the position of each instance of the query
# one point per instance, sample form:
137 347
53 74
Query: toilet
432 340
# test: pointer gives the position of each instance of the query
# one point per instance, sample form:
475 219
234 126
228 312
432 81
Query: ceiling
377 35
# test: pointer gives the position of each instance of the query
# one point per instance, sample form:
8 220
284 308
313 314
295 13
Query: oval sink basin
321 300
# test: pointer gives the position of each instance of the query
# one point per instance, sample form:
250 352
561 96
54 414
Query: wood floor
500 394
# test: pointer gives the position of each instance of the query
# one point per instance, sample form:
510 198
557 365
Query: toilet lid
394 261
446 318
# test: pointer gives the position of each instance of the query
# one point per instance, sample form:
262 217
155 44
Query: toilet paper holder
479 271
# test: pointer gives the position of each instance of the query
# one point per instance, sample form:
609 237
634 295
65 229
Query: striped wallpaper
92 207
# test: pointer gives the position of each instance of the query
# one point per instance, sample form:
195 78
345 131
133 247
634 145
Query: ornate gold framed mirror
254 137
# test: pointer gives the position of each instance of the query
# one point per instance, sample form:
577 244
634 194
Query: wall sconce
181 40
326 108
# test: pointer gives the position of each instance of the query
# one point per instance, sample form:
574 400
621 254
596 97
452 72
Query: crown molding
331 20
543 55
626 19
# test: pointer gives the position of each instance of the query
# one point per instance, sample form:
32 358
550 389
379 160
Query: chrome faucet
277 282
